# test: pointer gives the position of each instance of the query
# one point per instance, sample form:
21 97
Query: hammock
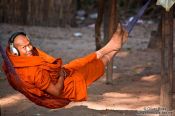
131 24
10 69
15 76
15 80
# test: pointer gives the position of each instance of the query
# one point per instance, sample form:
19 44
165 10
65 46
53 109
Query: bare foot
119 37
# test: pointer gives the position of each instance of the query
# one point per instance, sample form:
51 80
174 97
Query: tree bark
110 24
155 39
166 93
98 23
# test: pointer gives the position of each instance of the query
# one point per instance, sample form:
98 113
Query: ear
15 51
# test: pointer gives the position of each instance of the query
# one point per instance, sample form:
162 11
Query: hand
63 73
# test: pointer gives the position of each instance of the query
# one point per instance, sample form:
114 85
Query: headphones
14 50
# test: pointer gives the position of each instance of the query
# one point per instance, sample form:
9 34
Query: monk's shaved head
20 40
23 45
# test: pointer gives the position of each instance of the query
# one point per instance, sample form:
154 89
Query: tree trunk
110 23
166 93
155 39
98 39
38 12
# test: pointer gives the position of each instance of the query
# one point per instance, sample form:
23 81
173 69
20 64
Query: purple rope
6 59
132 23
10 67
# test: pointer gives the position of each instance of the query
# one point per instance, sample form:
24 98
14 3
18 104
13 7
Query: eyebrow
23 45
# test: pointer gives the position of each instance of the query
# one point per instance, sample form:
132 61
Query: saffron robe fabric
37 72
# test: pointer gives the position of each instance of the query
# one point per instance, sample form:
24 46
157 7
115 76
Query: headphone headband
14 35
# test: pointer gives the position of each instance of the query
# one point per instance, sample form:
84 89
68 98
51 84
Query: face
23 45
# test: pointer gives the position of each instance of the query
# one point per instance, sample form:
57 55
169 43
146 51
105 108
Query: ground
136 80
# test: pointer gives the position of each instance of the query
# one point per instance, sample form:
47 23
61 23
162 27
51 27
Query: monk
46 81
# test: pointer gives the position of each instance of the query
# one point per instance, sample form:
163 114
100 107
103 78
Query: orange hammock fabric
36 73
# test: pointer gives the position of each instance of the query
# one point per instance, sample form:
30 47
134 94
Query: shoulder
35 79
27 74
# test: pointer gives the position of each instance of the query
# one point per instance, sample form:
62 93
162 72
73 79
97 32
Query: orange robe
37 72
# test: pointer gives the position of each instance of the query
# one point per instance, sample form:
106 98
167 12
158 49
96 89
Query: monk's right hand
63 73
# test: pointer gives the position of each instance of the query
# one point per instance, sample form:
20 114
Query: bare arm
56 89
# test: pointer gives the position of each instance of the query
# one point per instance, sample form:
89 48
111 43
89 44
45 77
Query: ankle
99 54
107 58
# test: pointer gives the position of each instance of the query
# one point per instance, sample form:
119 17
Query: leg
119 37
113 46
107 58
95 69
92 71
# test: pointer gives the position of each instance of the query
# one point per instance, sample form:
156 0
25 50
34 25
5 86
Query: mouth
29 54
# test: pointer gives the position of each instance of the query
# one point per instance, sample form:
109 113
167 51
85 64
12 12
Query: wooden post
98 23
110 22
166 92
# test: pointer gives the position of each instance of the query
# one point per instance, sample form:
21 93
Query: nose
28 48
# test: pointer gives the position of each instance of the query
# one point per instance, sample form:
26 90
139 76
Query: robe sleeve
42 79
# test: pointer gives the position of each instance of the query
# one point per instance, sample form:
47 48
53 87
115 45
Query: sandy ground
136 80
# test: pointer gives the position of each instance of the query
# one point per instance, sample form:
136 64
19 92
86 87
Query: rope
132 23
17 82
10 68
